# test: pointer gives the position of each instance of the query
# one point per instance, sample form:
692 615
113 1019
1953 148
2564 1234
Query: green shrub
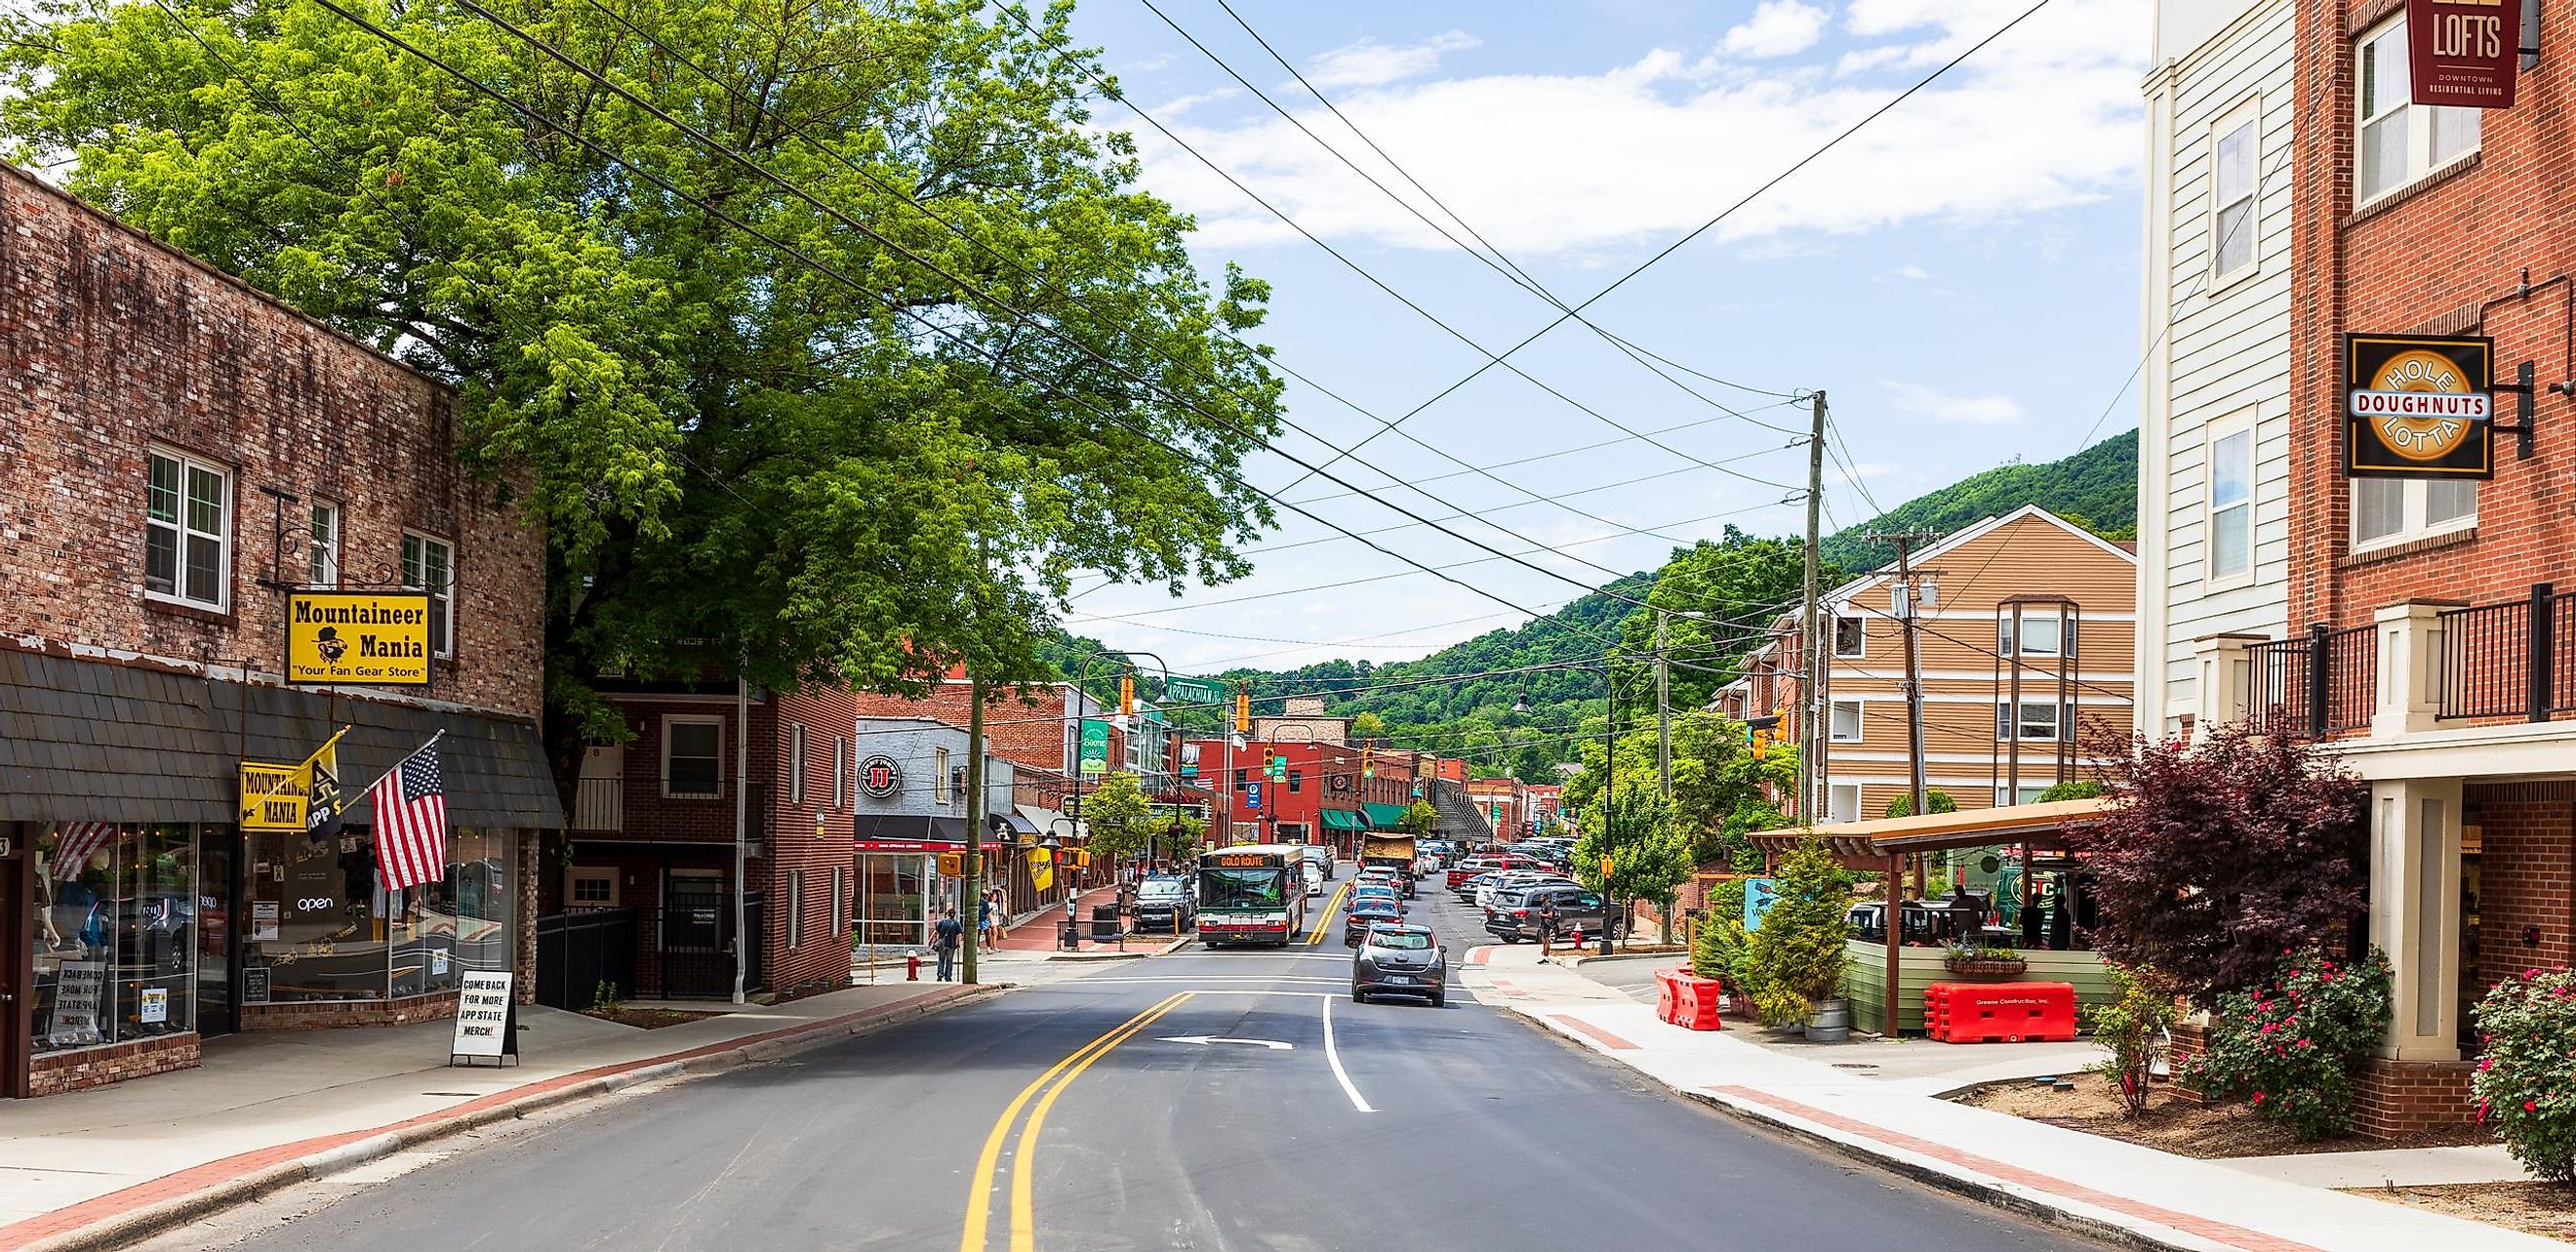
2131 1026
1935 800
1796 958
2084 789
2526 1082
2293 1048
1717 951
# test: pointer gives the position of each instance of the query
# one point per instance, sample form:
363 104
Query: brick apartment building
2416 616
182 451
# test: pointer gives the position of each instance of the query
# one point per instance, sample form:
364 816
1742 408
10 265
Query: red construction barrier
1687 1000
1999 1012
1667 996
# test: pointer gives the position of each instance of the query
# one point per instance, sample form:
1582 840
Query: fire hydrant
912 968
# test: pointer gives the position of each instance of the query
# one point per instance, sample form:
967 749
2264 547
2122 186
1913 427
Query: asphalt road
1087 1115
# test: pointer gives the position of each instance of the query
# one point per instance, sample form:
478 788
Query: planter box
1985 966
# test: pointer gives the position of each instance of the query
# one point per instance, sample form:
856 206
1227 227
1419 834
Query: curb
2048 1209
250 1176
1165 950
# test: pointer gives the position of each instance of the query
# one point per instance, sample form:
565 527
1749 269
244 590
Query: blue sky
1961 277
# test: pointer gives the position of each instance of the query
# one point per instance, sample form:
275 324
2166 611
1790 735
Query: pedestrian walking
1547 923
984 916
944 940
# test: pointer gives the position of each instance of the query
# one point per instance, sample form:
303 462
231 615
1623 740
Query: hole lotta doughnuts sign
2419 406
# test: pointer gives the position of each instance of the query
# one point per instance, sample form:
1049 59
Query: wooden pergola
1886 843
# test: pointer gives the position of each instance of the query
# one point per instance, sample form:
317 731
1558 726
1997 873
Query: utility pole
741 827
1663 706
970 890
1907 607
1811 739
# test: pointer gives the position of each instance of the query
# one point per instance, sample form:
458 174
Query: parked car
1389 875
1469 866
1367 911
1517 912
1400 960
1163 906
1320 857
1514 878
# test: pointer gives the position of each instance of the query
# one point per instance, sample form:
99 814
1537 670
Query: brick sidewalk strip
108 1220
1606 1039
2220 1232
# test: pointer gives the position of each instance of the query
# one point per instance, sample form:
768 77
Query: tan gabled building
2027 595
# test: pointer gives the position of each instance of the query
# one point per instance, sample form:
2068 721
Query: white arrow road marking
1333 1054
1272 1044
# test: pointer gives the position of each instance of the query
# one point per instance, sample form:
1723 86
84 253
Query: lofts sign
372 637
2463 53
2419 406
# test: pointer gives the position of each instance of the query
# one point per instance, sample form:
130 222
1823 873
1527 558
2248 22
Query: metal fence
2325 682
2505 660
579 952
685 947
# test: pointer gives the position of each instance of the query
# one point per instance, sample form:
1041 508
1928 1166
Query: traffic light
1242 709
1127 694
1368 762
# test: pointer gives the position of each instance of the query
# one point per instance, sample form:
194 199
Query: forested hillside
2096 489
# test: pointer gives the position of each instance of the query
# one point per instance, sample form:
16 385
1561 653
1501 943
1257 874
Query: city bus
1252 893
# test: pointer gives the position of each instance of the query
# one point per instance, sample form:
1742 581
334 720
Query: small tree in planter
2526 1082
1796 957
2292 1048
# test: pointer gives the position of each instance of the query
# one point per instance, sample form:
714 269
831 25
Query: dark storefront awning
85 740
907 827
1343 819
1384 816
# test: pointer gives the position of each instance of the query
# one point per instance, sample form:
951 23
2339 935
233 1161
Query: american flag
411 821
77 842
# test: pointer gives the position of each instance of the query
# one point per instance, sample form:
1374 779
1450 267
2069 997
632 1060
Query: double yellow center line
979 1199
1325 922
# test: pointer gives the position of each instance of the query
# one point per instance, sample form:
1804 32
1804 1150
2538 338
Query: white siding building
2213 454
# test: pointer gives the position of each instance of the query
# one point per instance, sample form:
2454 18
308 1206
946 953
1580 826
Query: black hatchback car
1400 960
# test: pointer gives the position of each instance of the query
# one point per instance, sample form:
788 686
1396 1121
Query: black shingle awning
96 741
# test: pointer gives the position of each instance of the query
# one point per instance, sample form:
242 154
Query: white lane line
1333 1055
1186 981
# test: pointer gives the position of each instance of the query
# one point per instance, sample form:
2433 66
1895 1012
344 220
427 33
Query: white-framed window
2235 155
840 899
2029 795
2041 635
795 908
692 757
1851 636
939 777
2231 500
322 545
1842 802
1845 725
187 530
2394 510
590 887
842 752
2399 141
429 564
2039 721
796 762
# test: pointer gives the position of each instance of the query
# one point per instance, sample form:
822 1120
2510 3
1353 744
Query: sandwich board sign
487 1020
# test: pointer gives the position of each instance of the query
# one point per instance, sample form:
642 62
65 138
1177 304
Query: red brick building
184 452
1505 804
1315 799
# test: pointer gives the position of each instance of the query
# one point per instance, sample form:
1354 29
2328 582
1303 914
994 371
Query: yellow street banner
273 796
1041 870
372 637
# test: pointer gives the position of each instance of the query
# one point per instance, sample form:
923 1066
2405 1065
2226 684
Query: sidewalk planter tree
1420 818
1117 813
2131 1026
1794 962
2292 1047
2526 1082
2219 858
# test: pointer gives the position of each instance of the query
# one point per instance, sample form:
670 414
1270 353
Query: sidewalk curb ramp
250 1176
2034 1202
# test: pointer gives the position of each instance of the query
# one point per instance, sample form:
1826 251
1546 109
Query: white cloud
1997 410
1183 104
1369 63
1777 28
1910 272
1573 165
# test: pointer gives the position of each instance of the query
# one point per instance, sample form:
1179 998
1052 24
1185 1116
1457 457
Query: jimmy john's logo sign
2419 406
373 637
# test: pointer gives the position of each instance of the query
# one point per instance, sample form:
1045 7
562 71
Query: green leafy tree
1715 777
1119 817
1420 818
1796 957
1368 725
861 482
2080 789
1649 859
1733 587
1934 800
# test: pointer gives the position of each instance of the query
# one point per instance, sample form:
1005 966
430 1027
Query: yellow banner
1041 872
374 637
273 796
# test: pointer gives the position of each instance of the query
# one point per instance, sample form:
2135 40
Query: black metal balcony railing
2318 684
2507 659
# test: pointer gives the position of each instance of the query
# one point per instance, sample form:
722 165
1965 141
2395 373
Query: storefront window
319 928
116 933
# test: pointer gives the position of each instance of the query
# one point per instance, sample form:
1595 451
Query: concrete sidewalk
99 1168
2082 1181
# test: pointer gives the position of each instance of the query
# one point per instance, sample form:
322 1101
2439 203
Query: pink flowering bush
2293 1048
2526 1081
